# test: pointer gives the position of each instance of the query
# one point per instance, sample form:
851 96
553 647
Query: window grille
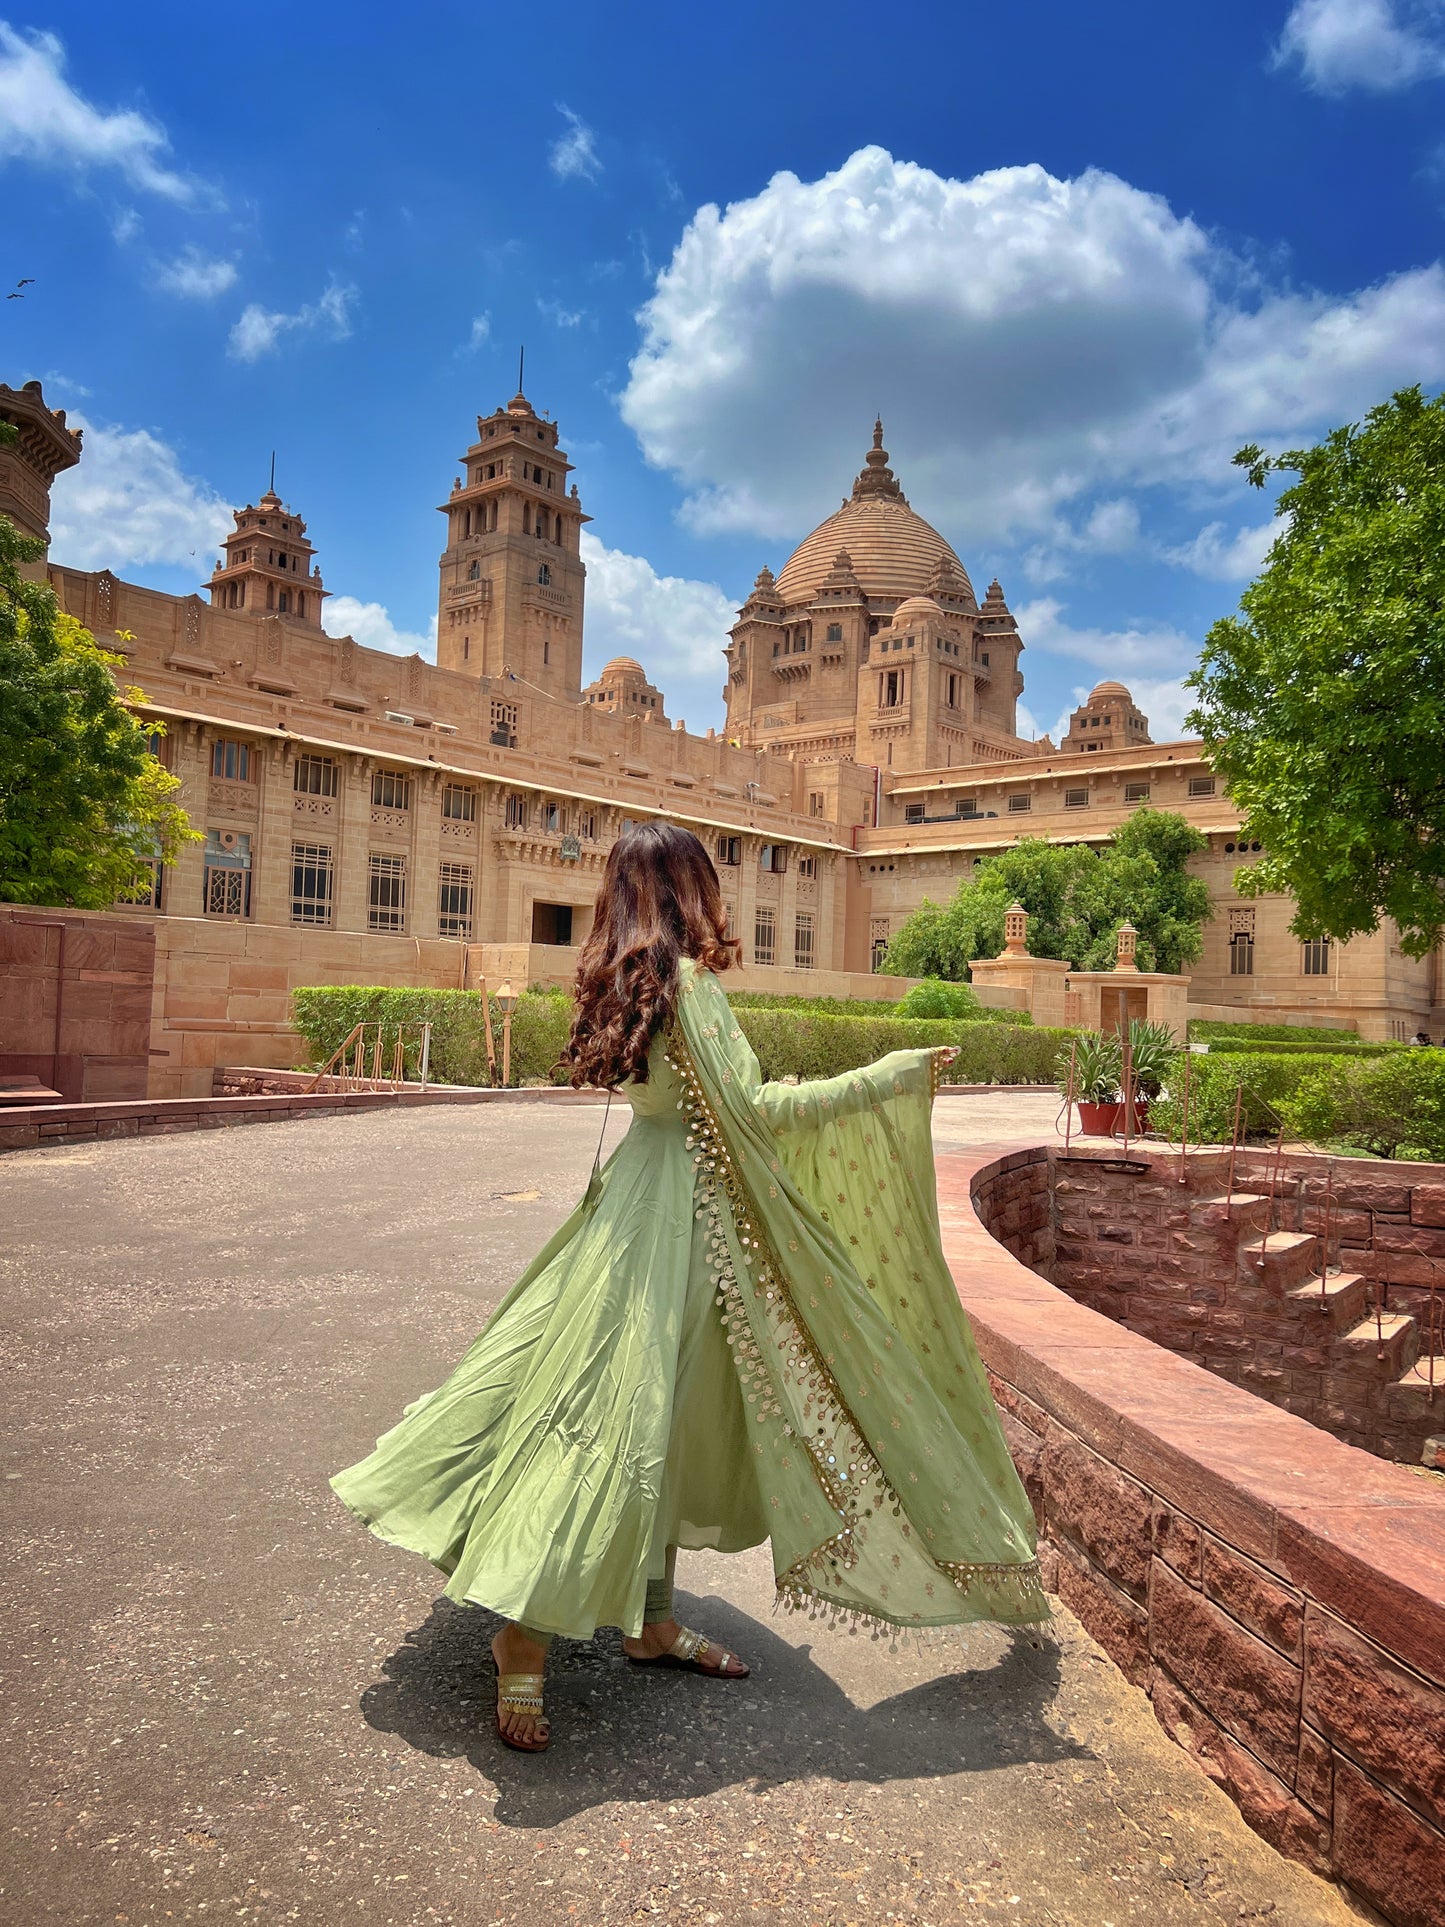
965 806
1201 786
1241 955
459 803
1076 799
912 812
1315 957
313 876
835 632
227 874
314 776
390 790
765 934
1136 792
730 850
803 941
1018 804
231 761
386 910
877 941
454 912
504 725
515 813
587 825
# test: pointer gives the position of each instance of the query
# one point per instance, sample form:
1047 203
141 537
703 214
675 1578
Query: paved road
220 1699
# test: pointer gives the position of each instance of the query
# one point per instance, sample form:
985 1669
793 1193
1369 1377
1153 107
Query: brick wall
1279 1595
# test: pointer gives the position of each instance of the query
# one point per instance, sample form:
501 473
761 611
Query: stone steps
1388 1344
1283 1258
1341 1300
1247 1209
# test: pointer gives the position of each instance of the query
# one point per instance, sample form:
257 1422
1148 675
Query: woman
746 1330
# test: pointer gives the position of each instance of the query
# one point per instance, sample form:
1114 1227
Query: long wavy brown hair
659 902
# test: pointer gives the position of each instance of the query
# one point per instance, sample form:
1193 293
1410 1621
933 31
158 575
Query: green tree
83 801
1322 702
1076 898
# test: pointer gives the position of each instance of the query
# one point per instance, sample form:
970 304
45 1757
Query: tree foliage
1322 702
83 801
1076 898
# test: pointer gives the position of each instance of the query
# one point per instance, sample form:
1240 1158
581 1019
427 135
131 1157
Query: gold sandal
686 1653
521 1693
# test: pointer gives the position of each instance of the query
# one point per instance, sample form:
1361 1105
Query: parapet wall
1279 1595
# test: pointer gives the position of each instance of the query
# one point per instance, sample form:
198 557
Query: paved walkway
222 1700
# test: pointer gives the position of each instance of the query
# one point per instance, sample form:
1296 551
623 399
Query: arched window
544 576
466 522
301 602
526 518
283 601
474 571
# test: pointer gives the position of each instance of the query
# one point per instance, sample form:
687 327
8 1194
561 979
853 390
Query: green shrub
1269 1080
1385 1106
935 998
798 1043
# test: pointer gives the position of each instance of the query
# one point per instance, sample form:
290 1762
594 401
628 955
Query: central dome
894 552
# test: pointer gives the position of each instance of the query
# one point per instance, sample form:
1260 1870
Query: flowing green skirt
596 1420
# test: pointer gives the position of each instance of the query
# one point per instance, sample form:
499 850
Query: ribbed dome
1104 690
893 551
622 666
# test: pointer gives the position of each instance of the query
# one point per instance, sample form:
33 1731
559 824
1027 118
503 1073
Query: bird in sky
15 294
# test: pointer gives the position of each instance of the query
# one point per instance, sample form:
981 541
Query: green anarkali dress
745 1331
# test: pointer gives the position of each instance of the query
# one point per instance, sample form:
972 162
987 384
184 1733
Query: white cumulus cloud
44 120
260 331
1039 348
371 624
130 503
574 154
194 277
676 627
1150 658
1222 556
1372 44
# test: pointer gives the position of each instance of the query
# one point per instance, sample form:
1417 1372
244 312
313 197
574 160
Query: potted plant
1097 1065
1153 1054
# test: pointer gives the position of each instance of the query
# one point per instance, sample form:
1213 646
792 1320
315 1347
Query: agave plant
1098 1066
1153 1054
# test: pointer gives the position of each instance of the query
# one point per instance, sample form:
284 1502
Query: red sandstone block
1248 1593
117 1127
1177 1540
1115 1620
1409 1237
1106 1514
166 1127
1365 1195
1379 1567
1026 1450
1250 1690
1386 1852
1427 1204
18 1137
1380 1713
1315 1775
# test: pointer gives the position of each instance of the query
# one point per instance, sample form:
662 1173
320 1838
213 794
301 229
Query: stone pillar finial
1128 938
1015 930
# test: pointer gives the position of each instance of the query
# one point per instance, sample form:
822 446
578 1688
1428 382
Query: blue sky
1076 255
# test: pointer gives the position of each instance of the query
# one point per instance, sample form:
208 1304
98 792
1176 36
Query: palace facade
377 818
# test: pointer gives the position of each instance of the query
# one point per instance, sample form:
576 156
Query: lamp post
507 1000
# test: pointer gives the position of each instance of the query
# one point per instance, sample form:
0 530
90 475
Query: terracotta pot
1100 1120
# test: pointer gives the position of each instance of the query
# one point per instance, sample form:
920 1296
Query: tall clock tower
512 577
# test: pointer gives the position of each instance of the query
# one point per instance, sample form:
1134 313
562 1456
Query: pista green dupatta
878 1450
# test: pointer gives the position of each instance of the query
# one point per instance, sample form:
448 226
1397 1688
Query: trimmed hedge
866 1007
1203 1030
1348 1046
788 1042
796 1043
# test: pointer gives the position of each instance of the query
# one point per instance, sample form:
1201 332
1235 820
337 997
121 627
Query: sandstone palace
372 818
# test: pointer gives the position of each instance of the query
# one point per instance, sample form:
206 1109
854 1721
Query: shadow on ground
622 1733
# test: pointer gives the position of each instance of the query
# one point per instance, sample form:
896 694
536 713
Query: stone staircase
1324 1346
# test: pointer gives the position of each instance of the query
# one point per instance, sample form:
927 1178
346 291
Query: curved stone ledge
1279 1595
